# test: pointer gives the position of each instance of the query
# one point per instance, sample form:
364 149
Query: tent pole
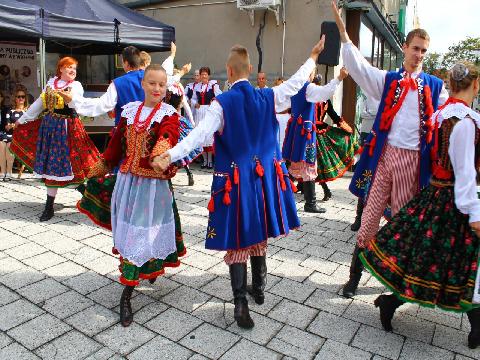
43 75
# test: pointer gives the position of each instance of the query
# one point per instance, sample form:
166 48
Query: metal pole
43 73
284 5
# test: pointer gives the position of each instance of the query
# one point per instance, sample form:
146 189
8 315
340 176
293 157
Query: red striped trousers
242 255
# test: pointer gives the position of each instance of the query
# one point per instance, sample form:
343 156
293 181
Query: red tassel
115 251
211 205
280 176
226 198
228 185
372 146
292 185
236 176
309 136
259 169
360 150
303 132
299 120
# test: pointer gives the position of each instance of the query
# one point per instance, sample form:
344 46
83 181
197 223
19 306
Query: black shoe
203 166
358 218
310 198
387 304
190 180
299 187
238 278
48 211
259 279
126 313
474 335
152 280
327 194
356 268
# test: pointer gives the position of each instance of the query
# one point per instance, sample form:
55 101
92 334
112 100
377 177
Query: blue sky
434 17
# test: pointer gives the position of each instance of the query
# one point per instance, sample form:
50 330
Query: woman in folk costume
428 252
203 94
50 138
336 146
252 197
142 219
300 146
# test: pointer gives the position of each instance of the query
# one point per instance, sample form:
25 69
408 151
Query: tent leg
43 74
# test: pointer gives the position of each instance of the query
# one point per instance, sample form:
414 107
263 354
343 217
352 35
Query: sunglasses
21 96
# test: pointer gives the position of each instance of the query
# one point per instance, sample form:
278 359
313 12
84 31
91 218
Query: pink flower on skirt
393 259
411 211
468 240
397 236
409 292
474 266
429 233
433 268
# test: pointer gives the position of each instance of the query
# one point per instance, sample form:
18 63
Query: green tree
468 49
432 62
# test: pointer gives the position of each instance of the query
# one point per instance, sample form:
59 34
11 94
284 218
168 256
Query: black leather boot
238 278
358 218
327 194
259 278
356 268
126 313
311 198
474 336
387 304
190 175
48 211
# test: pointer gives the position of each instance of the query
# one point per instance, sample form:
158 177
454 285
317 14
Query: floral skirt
336 150
185 128
427 253
57 149
95 203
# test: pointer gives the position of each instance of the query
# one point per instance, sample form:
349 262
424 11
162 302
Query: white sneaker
8 177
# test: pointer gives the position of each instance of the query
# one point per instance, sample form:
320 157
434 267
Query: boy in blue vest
251 195
395 163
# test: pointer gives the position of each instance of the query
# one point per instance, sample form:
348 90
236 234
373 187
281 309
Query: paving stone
13 240
220 287
247 350
318 251
209 341
38 331
290 256
421 351
103 265
378 341
7 296
108 296
333 327
296 343
440 317
64 271
292 271
413 327
333 350
17 352
292 290
18 312
162 287
25 251
4 340
87 282
325 282
453 340
63 245
93 320
67 304
103 354
100 242
173 324
202 261
186 299
160 348
149 311
328 301
42 290
271 301
193 277
72 345
293 314
9 264
23 277
320 265
44 260
216 312
83 255
125 339
263 331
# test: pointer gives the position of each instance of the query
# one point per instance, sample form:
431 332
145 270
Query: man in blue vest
251 196
395 163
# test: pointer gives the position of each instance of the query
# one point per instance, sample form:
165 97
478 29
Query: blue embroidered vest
129 89
252 198
300 138
377 139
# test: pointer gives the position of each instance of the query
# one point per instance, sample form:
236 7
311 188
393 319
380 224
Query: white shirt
462 155
214 120
37 107
201 87
314 94
97 106
404 132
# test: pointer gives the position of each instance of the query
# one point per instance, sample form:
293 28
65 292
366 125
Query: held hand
173 49
66 95
162 162
197 106
340 24
318 48
343 73
476 227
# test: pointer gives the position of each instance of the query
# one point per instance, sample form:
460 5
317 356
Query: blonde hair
421 33
145 59
239 60
462 75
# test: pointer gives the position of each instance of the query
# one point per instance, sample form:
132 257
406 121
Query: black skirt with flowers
427 253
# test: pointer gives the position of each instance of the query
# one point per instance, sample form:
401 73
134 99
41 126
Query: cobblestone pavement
59 293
